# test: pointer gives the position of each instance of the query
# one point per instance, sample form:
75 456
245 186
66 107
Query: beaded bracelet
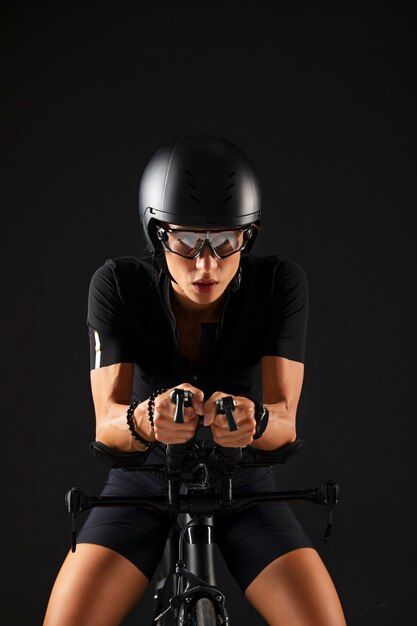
151 403
130 423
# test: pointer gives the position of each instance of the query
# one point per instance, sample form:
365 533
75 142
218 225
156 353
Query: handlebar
225 406
327 495
201 502
181 398
204 503
131 461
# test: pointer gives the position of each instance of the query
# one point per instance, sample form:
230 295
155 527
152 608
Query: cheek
234 262
176 265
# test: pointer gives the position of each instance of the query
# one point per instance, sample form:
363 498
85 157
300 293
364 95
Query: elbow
290 431
290 435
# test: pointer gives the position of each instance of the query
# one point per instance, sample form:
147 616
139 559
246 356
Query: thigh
295 590
95 585
118 549
137 533
251 539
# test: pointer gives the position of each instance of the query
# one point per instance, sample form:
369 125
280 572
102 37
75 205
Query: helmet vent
190 184
229 187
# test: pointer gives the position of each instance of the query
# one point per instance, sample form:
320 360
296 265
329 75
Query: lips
205 286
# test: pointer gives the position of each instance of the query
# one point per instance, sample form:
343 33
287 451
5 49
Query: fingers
166 430
244 414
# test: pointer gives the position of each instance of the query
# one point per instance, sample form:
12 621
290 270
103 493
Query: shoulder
119 285
124 272
273 270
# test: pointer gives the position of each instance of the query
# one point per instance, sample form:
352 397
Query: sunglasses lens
226 243
189 244
185 243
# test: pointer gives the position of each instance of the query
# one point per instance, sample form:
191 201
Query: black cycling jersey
130 320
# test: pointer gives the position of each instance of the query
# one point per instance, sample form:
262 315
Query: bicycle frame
190 575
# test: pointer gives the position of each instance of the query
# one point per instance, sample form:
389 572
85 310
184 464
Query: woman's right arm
111 388
112 373
111 364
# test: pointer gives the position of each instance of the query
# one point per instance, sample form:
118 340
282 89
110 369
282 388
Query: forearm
112 428
280 430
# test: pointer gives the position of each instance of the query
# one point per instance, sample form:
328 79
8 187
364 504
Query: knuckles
244 412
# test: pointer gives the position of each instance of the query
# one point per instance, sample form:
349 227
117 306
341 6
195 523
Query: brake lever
73 500
77 502
328 494
181 398
225 406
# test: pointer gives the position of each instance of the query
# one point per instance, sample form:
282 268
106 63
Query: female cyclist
201 314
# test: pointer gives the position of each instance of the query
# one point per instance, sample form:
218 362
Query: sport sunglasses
190 243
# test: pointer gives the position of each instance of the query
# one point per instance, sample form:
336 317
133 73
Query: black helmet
198 180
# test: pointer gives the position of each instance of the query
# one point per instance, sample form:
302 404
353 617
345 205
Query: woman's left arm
282 381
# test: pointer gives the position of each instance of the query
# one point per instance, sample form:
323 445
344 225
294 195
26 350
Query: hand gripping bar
183 397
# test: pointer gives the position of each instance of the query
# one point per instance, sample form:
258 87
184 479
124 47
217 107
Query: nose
206 261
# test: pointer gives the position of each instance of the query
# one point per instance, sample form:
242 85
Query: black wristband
130 423
261 418
151 403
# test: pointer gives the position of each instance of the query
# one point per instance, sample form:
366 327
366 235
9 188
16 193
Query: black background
324 104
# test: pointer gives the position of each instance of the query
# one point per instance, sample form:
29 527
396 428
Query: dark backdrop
324 104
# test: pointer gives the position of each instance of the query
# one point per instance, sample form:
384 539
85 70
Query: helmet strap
163 266
235 283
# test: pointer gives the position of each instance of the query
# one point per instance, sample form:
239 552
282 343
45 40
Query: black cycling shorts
248 540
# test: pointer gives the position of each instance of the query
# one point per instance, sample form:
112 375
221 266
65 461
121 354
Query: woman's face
202 280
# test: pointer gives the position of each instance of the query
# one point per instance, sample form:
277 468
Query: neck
192 311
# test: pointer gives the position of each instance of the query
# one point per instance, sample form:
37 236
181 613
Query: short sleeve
107 320
286 325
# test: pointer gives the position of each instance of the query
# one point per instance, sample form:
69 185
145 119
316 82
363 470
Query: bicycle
199 478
